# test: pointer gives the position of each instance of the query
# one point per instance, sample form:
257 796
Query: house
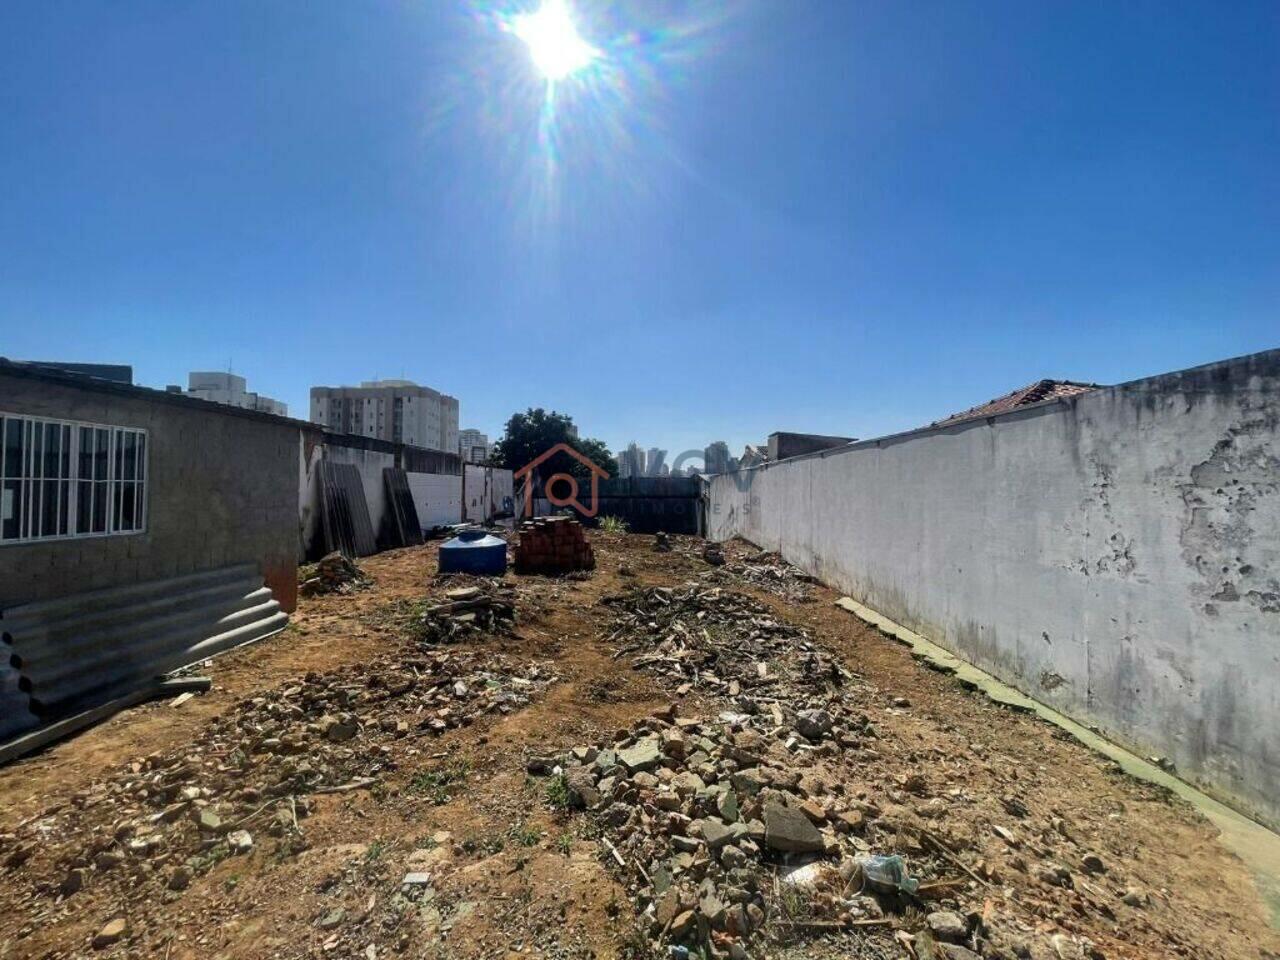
140 531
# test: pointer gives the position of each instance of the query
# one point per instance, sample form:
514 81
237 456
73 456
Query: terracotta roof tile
1036 392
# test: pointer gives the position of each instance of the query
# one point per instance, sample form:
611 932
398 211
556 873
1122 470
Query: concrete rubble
334 573
769 572
757 824
713 639
791 797
486 606
165 819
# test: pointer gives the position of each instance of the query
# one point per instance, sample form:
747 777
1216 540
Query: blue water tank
474 551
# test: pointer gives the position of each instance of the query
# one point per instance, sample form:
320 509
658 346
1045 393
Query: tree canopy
530 434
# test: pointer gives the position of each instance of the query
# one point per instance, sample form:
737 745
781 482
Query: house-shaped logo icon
548 488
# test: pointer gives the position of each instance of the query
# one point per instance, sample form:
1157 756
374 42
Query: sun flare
555 46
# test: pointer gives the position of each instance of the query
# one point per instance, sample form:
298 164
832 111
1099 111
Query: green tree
530 434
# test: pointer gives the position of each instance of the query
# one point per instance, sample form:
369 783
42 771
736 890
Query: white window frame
32 480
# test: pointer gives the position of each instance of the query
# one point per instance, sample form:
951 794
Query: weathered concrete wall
222 489
1115 555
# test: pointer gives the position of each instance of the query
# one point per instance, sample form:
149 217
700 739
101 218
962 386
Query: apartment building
397 410
474 446
232 390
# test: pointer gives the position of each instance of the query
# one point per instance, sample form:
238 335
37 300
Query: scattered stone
1135 897
644 755
73 882
947 925
787 829
110 934
813 724
240 841
179 878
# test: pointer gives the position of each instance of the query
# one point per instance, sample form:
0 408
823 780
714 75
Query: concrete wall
1115 555
438 499
490 492
222 489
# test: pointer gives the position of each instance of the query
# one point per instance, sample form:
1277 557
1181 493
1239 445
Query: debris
887 873
468 612
765 571
334 573
713 554
716 639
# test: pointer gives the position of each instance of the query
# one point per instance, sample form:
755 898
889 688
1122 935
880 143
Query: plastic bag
888 874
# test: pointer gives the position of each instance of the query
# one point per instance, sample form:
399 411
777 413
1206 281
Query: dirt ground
86 835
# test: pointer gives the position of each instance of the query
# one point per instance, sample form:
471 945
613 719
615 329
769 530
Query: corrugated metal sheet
344 512
78 652
401 519
15 706
438 499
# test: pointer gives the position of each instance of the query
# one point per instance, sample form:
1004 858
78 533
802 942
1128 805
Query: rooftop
1036 392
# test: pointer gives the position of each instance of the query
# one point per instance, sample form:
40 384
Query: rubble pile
771 573
719 641
334 573
253 771
731 833
468 611
553 545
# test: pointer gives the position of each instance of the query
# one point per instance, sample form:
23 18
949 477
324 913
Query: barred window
62 479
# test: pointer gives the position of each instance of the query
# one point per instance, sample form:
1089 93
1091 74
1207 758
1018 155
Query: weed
437 785
209 859
613 525
564 843
557 792
525 835
373 853
486 845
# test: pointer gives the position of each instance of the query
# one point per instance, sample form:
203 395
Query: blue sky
747 215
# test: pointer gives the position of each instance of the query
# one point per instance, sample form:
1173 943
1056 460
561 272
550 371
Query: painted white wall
1115 555
437 498
487 489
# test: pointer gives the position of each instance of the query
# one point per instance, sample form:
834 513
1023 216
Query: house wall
222 489
1115 555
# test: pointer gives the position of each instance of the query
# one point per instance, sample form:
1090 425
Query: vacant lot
356 787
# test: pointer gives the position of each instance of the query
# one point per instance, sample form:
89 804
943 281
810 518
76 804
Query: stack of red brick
553 545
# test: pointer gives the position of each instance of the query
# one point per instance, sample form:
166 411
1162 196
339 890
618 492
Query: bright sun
554 44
